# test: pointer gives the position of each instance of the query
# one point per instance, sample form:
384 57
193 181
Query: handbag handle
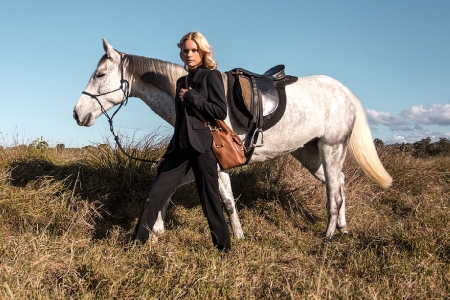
207 124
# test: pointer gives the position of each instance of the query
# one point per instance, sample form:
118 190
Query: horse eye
99 75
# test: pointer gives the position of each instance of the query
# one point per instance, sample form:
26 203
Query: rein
125 88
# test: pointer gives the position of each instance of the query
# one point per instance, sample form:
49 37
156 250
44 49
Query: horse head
105 88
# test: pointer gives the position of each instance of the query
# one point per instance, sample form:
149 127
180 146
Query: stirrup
255 136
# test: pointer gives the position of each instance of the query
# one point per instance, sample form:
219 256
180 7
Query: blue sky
393 55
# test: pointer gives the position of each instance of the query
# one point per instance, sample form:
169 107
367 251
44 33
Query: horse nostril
75 116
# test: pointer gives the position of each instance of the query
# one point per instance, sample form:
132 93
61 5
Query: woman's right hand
182 92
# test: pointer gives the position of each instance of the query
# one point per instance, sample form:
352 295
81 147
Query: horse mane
159 73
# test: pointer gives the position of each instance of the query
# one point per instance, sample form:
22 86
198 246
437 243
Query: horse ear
110 52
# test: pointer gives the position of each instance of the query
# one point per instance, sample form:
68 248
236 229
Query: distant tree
378 143
405 148
422 148
443 146
39 144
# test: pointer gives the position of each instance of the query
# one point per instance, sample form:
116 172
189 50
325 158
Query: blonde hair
203 45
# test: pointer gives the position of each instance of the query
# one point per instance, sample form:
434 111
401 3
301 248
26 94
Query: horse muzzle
87 121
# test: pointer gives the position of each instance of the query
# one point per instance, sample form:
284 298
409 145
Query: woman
190 146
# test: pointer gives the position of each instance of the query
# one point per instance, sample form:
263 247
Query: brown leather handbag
226 145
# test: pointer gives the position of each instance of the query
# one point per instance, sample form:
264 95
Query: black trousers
175 168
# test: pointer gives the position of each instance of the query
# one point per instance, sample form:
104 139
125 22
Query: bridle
125 88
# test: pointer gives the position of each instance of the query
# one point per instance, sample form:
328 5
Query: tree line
420 149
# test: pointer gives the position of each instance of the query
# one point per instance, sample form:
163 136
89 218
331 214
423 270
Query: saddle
258 92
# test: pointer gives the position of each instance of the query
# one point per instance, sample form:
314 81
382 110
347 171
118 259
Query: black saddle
259 94
275 73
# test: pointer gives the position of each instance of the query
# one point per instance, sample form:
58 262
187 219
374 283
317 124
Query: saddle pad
246 91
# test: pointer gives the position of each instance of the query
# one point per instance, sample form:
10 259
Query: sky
393 55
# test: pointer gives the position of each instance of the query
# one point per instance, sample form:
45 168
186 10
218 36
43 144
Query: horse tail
363 148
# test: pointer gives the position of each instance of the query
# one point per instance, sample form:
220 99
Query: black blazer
208 97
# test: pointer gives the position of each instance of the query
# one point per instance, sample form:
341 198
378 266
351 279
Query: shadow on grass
119 189
119 194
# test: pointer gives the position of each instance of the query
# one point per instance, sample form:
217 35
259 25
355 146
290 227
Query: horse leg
228 202
342 223
309 157
333 157
158 228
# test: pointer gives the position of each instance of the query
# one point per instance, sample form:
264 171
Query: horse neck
154 82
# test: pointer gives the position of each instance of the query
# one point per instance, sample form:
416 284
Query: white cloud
410 125
417 135
401 128
437 114
398 139
420 127
384 118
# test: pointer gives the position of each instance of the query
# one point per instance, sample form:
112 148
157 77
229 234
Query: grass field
66 214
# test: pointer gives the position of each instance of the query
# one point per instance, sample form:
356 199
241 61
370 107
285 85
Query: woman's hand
182 92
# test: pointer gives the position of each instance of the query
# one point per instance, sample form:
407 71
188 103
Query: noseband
125 88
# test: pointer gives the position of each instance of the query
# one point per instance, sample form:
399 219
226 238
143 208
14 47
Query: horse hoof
240 236
327 240
343 230
158 228
158 232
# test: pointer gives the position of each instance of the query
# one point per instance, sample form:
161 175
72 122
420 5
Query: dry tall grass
65 216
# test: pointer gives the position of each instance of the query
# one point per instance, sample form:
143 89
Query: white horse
322 119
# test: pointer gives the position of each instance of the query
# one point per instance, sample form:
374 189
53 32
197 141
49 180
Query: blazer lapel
197 76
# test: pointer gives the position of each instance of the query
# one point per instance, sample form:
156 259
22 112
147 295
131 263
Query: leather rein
125 88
